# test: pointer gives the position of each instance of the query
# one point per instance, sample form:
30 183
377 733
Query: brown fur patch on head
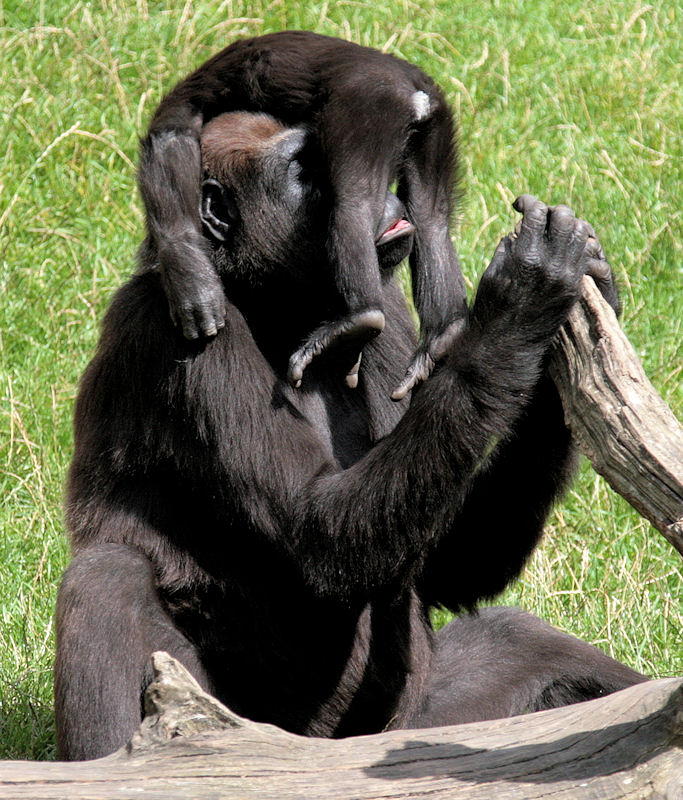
238 136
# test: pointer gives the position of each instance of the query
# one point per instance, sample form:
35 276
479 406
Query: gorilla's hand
431 351
595 264
347 336
531 283
193 288
535 274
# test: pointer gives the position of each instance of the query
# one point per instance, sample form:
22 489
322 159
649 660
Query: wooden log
626 745
618 420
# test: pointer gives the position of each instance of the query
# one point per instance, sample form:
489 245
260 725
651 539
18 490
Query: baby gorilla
370 119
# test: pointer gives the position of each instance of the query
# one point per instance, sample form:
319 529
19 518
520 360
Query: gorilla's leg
503 661
109 622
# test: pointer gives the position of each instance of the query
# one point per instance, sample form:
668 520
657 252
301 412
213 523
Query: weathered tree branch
627 745
618 420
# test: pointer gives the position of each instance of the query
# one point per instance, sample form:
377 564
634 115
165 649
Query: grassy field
575 102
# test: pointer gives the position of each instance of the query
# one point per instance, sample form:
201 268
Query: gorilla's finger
532 227
560 235
440 345
578 239
351 379
524 203
188 323
419 370
205 321
301 359
560 220
599 269
593 247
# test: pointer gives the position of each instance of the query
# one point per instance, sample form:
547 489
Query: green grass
576 102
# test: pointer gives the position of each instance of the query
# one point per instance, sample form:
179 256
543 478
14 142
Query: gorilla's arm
503 515
352 531
412 484
512 493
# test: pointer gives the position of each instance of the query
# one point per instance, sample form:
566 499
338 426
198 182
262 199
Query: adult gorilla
286 545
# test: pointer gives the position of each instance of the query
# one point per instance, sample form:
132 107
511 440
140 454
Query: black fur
286 545
367 130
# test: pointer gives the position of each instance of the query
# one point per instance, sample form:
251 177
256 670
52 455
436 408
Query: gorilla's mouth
397 229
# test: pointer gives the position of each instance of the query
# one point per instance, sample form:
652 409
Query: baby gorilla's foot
351 333
431 351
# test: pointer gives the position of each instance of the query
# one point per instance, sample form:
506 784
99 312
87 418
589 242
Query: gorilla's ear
218 210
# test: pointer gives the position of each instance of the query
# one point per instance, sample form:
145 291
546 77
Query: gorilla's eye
218 210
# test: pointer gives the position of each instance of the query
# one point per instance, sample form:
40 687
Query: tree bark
618 420
626 745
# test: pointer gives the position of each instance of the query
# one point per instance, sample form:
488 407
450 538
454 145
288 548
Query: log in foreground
627 745
618 420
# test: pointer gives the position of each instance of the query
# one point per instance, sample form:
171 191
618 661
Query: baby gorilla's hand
195 293
350 334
